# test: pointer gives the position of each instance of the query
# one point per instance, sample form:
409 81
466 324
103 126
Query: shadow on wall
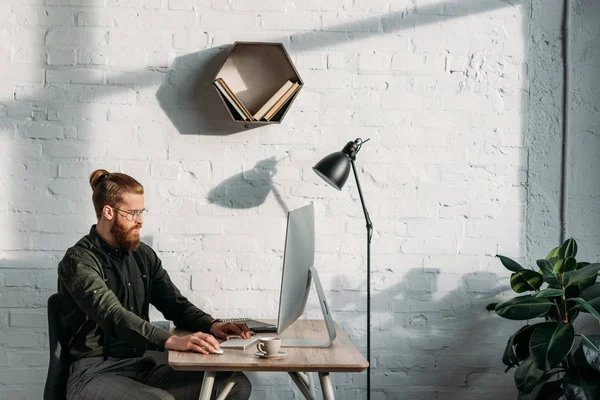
248 189
584 127
190 82
438 341
189 99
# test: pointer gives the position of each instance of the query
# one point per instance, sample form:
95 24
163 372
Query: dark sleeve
82 278
175 307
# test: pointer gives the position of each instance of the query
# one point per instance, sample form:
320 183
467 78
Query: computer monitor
298 272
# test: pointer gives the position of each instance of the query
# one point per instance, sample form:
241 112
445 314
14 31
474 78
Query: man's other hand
222 330
199 342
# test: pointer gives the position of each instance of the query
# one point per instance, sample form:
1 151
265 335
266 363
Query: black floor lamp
334 169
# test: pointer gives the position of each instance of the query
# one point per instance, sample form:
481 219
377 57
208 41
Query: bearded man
106 283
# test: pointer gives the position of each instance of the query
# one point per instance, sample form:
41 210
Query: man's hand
222 329
199 342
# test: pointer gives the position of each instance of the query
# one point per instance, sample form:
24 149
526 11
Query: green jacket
105 295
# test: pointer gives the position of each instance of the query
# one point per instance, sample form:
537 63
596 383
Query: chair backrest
58 369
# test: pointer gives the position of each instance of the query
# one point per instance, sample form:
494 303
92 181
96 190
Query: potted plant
550 358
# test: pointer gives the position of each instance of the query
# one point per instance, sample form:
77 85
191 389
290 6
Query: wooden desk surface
341 356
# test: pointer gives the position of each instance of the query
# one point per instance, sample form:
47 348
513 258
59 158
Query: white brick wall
441 90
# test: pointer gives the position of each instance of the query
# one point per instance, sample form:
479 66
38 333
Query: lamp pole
334 169
369 236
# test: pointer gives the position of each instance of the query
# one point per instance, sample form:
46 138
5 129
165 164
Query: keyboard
236 342
254 325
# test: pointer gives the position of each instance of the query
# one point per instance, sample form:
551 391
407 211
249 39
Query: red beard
127 238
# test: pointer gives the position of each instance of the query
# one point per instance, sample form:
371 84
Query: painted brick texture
440 88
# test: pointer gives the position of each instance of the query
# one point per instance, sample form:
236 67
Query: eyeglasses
133 215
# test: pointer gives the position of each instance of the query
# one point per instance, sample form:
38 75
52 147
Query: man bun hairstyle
109 187
97 176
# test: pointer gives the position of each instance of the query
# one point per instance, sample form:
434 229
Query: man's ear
108 213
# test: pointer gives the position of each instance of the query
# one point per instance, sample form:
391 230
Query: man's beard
127 239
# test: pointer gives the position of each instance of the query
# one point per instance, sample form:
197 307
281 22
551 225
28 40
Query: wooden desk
341 356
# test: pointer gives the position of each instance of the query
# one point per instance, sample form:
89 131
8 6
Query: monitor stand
326 316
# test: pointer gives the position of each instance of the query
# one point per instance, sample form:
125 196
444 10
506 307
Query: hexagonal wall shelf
254 72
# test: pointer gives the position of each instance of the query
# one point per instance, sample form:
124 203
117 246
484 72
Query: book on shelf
232 99
271 102
267 111
282 101
235 98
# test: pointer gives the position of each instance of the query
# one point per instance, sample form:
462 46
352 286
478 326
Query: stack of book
264 113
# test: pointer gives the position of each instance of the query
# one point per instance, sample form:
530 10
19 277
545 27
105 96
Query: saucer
263 355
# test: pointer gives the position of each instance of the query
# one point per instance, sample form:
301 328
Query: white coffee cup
269 345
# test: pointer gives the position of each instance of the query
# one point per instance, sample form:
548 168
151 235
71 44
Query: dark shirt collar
104 245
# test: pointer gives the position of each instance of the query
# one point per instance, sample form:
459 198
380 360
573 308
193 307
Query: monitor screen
299 257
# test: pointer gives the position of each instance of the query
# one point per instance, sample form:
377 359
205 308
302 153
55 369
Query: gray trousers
141 378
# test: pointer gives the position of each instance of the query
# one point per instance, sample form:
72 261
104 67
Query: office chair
58 368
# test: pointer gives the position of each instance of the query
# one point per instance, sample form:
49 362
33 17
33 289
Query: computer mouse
220 351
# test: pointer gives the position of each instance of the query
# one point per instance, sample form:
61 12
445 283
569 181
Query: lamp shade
334 169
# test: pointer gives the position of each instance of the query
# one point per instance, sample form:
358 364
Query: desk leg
311 382
297 378
207 385
226 390
326 386
305 379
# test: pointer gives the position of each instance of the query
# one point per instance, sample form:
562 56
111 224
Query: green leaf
551 391
526 280
592 295
586 306
572 313
509 358
519 341
527 376
568 249
523 307
510 264
577 276
553 281
586 283
545 266
544 390
558 266
491 307
553 253
550 343
582 386
570 264
565 265
590 348
572 291
549 292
